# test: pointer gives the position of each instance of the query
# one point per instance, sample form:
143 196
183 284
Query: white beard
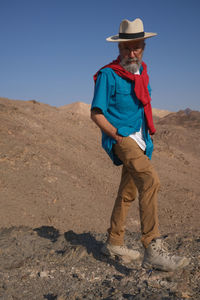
130 67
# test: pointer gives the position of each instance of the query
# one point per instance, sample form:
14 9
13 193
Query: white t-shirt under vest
138 136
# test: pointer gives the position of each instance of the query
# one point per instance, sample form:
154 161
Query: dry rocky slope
57 189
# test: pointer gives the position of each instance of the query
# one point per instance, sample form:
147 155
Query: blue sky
50 49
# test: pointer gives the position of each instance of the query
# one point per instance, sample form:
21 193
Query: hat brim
115 38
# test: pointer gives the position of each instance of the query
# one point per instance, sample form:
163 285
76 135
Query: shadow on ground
86 240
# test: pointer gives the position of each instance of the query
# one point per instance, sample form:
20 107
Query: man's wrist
118 138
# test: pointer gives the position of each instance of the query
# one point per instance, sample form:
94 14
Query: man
121 108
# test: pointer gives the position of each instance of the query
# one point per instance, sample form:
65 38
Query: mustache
129 60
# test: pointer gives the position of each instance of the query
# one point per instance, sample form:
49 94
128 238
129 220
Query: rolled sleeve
103 91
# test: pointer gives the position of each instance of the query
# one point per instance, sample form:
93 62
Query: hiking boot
156 256
121 251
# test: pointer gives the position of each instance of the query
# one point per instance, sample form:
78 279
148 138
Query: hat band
131 35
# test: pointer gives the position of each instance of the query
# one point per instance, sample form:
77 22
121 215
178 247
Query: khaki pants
138 176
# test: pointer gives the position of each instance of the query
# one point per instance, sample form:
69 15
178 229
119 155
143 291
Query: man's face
131 55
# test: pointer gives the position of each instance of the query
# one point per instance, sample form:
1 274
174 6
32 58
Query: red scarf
141 90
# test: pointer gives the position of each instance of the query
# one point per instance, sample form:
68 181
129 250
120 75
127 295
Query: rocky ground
41 264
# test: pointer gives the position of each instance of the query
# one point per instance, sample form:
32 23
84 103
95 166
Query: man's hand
98 117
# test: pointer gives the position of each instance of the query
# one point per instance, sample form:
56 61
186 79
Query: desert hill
77 108
57 189
54 172
185 118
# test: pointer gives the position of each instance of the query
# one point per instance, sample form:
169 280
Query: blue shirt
116 98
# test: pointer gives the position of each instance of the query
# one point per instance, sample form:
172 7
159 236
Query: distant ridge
78 108
160 113
186 118
84 109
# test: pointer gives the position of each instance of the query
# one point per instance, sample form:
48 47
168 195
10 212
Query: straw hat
131 31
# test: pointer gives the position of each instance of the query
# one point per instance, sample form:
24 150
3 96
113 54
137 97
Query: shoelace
161 249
